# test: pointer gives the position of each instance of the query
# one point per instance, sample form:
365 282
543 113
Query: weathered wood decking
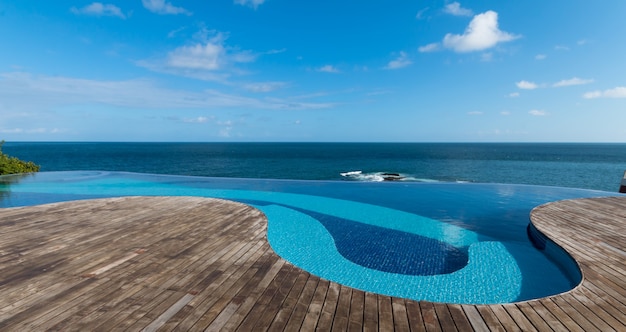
184 263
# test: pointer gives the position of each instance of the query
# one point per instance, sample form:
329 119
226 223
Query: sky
313 71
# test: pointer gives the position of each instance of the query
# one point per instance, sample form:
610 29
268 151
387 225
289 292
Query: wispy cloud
99 9
526 85
175 32
31 131
482 33
432 47
163 7
420 13
540 57
572 81
328 69
475 113
400 62
618 92
250 3
277 51
513 95
264 86
25 92
456 10
537 113
199 119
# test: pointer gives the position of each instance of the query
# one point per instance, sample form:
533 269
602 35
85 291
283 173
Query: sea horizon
598 166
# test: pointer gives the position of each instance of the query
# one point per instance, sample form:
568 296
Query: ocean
575 165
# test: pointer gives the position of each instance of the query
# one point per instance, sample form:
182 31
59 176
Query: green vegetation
12 165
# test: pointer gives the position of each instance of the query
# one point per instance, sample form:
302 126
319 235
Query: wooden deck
193 264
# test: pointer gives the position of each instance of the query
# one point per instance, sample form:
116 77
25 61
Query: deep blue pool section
388 250
377 237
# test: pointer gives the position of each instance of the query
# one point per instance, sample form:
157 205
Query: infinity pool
440 242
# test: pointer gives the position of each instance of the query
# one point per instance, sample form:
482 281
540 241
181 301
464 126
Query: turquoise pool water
441 242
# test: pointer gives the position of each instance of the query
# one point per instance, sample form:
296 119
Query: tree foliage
12 165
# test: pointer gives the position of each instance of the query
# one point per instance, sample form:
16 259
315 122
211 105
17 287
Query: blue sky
338 71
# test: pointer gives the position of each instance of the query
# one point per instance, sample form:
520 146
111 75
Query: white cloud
514 94
561 48
99 9
537 113
526 85
482 33
572 81
250 3
328 69
540 56
456 10
401 61
475 113
505 113
209 59
432 47
163 7
618 92
207 56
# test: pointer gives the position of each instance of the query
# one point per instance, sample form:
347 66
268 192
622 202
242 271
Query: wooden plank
518 316
538 322
473 315
370 314
273 307
400 318
169 313
461 322
267 274
258 311
561 315
235 278
551 320
289 303
314 309
357 308
325 322
301 307
504 318
385 313
431 322
342 312
445 317
414 313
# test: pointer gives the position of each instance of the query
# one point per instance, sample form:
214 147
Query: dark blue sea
589 166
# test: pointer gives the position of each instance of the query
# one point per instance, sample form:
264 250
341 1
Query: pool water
440 242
